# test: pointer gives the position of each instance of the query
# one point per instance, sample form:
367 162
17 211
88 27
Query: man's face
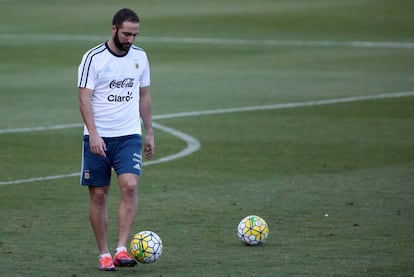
125 35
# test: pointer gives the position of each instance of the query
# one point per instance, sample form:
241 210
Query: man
114 96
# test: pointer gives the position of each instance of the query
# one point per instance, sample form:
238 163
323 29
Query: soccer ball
253 230
146 247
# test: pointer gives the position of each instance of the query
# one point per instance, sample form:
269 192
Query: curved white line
192 146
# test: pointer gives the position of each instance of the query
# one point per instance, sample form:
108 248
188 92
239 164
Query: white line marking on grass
290 105
38 179
192 146
232 110
192 143
268 42
40 128
216 41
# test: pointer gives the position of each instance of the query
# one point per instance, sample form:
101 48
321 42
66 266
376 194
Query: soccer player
114 97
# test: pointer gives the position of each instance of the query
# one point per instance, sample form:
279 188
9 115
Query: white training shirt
115 81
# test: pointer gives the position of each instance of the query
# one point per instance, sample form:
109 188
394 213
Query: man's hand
97 145
149 146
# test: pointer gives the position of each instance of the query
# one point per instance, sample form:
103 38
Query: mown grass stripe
216 41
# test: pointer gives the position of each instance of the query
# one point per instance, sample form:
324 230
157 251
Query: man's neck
115 49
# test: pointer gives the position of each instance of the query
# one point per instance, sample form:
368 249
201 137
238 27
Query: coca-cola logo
125 83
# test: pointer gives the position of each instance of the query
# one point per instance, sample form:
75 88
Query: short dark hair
124 15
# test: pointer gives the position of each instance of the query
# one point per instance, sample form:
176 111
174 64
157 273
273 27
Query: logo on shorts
137 158
86 175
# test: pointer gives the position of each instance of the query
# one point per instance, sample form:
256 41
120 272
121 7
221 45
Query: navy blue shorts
123 154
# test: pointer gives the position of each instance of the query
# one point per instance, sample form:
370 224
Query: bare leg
128 184
98 216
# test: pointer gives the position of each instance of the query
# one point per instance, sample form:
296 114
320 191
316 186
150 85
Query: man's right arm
85 105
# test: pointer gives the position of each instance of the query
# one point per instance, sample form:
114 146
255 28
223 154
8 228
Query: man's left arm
145 113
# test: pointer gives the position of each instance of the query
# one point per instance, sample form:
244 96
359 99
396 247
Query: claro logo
119 98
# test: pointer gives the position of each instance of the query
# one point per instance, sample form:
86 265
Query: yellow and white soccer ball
146 247
253 230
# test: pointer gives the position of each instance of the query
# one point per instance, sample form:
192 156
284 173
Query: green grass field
302 157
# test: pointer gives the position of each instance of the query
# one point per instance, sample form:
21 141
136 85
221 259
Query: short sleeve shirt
115 82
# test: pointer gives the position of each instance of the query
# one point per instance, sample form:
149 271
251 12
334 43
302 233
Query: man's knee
129 184
98 195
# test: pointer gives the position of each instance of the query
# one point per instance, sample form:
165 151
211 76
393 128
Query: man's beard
121 46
